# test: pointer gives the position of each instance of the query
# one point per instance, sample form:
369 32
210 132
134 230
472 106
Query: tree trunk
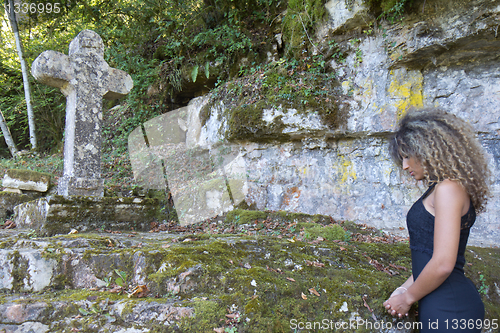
27 92
6 134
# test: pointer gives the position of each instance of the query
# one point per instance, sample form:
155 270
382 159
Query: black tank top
420 224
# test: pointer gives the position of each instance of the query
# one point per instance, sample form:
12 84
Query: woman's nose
405 163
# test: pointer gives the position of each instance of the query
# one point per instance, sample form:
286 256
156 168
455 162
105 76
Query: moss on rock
29 175
242 216
287 89
248 283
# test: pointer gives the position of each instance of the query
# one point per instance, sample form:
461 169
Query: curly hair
447 148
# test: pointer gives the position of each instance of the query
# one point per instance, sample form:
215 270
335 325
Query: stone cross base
56 214
80 186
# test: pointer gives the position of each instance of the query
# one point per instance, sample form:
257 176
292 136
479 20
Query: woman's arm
404 287
449 200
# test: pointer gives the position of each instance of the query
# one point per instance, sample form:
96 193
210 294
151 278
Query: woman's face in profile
414 167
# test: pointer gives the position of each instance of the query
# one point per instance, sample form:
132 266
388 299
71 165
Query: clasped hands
397 304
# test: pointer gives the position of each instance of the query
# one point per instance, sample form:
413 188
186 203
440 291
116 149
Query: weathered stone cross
84 78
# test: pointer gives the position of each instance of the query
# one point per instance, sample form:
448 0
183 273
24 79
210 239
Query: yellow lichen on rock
406 88
346 170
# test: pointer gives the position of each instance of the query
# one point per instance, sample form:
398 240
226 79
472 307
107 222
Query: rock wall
444 54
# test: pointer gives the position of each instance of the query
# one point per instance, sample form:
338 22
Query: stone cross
84 78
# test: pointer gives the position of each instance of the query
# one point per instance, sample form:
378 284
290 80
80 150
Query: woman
442 151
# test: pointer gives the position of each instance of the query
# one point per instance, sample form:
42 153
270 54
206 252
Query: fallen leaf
304 296
73 231
377 265
398 267
116 290
232 315
369 309
313 291
219 330
314 263
366 304
165 246
10 224
290 279
342 248
139 292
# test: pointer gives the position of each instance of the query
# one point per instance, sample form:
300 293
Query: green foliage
390 9
163 45
52 164
299 23
222 43
121 280
302 84
483 288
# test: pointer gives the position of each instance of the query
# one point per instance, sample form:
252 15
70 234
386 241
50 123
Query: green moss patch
333 232
29 175
303 85
266 282
241 216
250 278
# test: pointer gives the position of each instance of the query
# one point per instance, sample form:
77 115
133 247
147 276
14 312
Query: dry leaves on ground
9 224
139 292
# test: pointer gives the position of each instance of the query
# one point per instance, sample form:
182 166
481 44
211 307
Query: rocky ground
245 272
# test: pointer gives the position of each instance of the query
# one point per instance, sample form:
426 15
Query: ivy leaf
207 69
119 281
83 312
194 73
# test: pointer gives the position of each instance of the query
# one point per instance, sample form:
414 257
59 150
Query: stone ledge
27 180
59 214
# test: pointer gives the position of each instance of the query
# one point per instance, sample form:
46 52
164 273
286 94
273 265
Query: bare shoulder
448 186
451 190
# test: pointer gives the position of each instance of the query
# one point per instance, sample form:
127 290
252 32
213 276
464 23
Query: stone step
56 214
69 312
199 282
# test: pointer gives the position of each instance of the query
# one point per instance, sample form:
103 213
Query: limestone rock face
442 55
346 15
26 180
